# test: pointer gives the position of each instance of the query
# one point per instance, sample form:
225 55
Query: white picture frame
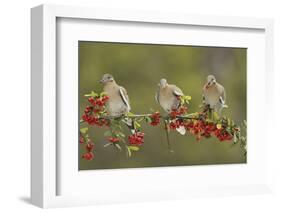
45 178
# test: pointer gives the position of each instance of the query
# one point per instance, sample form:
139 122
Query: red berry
88 156
155 117
136 138
90 146
105 98
88 109
113 139
92 101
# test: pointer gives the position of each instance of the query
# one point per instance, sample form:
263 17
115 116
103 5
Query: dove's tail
180 129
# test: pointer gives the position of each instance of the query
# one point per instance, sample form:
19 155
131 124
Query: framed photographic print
149 106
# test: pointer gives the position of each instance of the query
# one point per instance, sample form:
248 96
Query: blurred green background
139 67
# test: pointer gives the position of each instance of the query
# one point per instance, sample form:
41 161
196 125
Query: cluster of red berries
176 124
98 101
91 113
136 138
89 155
155 118
201 128
223 135
95 120
176 112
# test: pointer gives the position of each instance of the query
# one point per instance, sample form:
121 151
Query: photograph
159 105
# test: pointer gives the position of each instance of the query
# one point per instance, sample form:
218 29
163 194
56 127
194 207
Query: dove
118 103
214 94
167 96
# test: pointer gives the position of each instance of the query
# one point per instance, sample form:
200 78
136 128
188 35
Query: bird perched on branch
118 103
168 96
214 94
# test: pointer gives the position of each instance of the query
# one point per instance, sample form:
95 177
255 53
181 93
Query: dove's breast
115 105
212 96
167 100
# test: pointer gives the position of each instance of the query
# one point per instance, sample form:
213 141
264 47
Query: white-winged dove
214 94
118 103
167 96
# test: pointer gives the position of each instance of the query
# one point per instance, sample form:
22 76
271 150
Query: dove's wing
223 95
177 91
157 96
125 98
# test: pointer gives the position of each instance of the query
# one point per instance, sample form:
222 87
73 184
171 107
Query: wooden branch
110 117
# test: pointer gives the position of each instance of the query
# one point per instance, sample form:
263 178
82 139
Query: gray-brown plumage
118 103
214 94
167 96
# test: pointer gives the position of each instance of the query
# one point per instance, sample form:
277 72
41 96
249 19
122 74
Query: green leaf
137 124
185 99
120 134
130 114
182 100
228 130
234 138
107 133
134 148
118 146
245 123
92 94
140 119
148 119
216 116
188 97
84 130
129 152
228 122
108 144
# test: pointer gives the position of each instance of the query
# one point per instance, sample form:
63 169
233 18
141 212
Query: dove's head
106 78
163 83
211 80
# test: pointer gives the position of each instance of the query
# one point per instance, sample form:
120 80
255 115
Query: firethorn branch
200 124
108 117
